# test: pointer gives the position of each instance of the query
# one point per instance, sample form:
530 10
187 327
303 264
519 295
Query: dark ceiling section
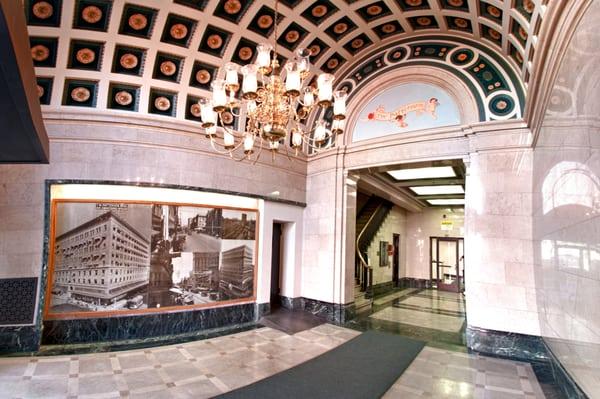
23 138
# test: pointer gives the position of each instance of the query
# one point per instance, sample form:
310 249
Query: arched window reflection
570 183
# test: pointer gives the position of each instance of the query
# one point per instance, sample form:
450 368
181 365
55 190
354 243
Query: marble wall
318 274
291 250
89 148
500 286
566 209
422 225
100 152
394 223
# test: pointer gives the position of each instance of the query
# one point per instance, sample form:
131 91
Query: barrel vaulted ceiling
158 57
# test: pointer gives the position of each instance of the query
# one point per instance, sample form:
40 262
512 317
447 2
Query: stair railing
365 272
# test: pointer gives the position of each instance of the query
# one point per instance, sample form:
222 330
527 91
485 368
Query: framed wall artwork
109 258
383 254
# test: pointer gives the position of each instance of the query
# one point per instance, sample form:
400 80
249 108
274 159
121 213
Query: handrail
363 263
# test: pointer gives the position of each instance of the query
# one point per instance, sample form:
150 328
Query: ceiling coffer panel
172 49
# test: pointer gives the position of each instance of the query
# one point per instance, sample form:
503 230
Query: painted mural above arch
404 108
489 79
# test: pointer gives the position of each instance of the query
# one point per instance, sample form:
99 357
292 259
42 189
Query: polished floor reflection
438 373
437 310
582 360
436 317
203 369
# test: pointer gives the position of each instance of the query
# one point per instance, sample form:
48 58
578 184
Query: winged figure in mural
400 113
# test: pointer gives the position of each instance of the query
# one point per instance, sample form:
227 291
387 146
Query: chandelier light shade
278 105
325 88
339 104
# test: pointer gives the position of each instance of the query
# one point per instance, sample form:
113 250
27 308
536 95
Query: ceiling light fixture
438 190
422 173
451 201
277 104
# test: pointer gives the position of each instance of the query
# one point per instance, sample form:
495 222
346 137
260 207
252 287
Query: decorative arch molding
489 78
455 87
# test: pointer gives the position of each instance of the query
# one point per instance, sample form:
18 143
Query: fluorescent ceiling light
435 190
422 173
453 201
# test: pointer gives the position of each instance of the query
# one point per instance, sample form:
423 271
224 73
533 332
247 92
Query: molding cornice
190 138
478 137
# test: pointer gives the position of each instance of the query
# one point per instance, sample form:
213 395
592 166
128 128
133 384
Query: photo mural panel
122 258
406 108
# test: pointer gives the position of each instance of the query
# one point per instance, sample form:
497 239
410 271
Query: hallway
437 317
444 369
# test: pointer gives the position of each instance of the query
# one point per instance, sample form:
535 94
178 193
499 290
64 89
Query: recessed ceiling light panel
423 173
435 190
453 201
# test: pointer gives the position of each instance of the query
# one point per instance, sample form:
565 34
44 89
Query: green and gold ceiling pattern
158 57
491 81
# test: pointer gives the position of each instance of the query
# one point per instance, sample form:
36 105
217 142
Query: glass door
446 263
461 264
433 272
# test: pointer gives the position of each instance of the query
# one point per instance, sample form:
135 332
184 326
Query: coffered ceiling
157 57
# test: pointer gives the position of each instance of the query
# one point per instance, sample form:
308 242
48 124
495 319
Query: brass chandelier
277 103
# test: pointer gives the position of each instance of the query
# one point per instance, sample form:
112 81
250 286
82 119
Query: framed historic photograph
112 258
383 254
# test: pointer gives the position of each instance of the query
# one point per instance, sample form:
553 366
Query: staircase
361 302
369 220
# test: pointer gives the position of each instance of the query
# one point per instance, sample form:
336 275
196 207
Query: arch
490 80
455 89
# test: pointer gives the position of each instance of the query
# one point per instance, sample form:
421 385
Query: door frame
396 240
275 300
441 286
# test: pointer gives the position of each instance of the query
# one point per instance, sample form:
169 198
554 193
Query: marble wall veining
566 209
499 286
86 148
319 237
101 152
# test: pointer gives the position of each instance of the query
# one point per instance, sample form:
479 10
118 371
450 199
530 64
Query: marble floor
432 309
438 373
203 369
384 299
583 362
290 321
199 369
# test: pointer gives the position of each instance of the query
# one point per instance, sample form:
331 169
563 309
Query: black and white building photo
102 262
111 257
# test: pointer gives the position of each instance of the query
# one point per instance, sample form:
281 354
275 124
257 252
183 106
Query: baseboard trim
411 282
382 288
332 312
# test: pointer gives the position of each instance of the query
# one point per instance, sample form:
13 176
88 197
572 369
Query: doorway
396 261
275 298
447 263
